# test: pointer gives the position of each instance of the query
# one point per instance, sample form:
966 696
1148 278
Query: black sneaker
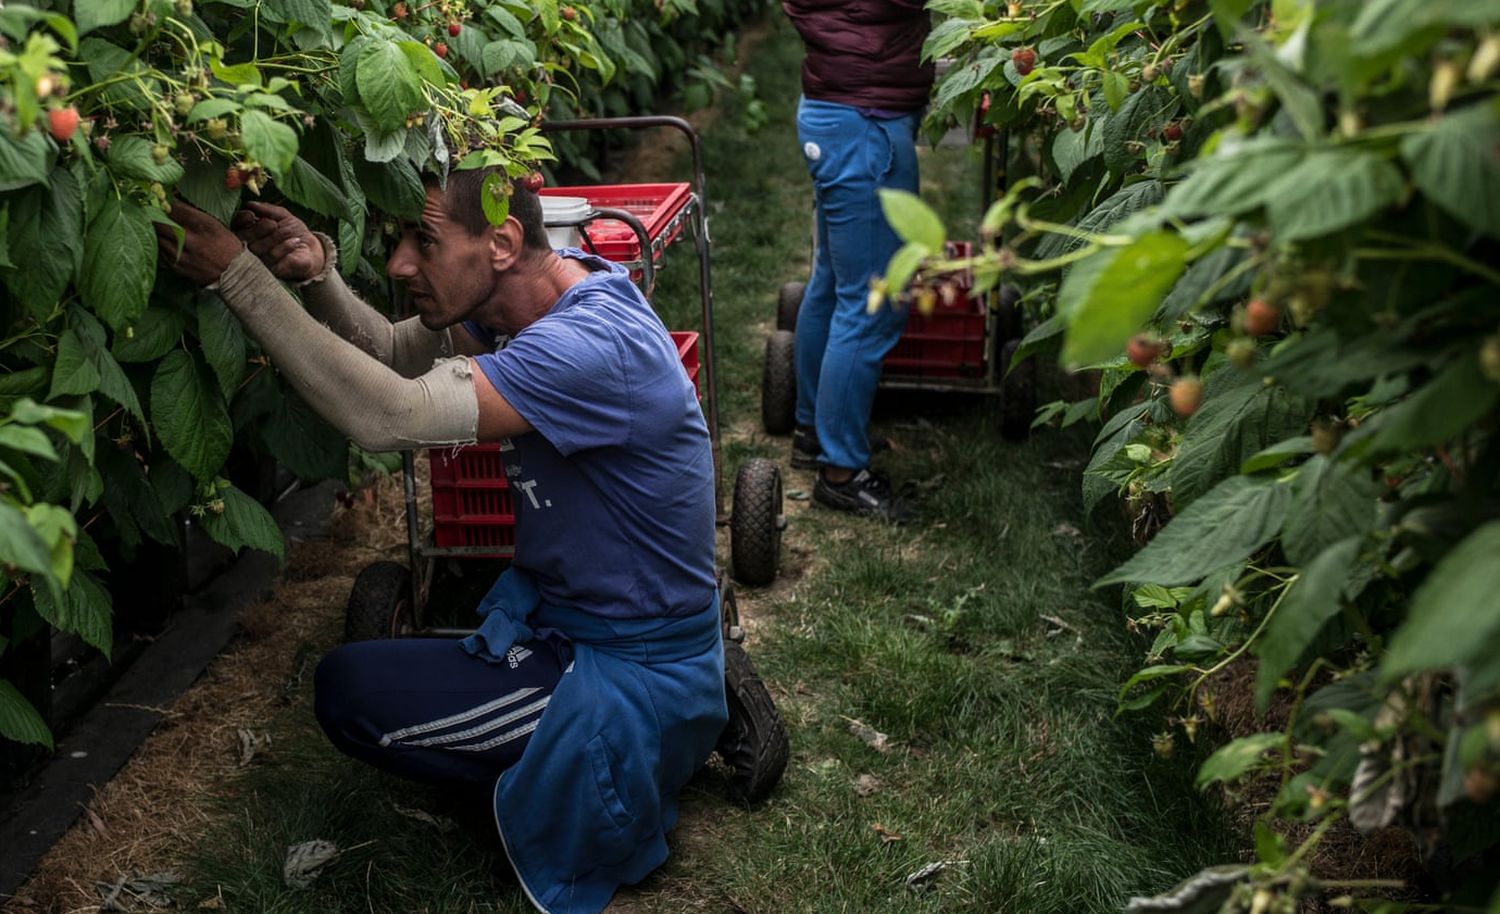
805 448
865 494
754 743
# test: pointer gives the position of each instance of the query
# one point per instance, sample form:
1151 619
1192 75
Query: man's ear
506 242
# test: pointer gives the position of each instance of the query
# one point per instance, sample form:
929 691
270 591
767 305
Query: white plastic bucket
562 215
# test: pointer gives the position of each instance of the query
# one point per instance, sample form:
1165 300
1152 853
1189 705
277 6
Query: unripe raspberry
1186 395
1261 317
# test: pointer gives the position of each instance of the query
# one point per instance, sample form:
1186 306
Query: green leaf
1228 13
223 341
239 74
27 440
1298 100
1455 612
1330 502
119 262
302 442
504 54
1202 284
1071 148
1233 181
84 610
151 337
1151 673
1454 164
1277 454
912 219
393 186
46 240
1440 409
74 371
73 424
112 380
203 186
21 546
243 523
315 14
213 107
1125 202
306 185
1233 760
19 721
268 141
965 78
24 161
1270 849
902 265
423 61
92 14
1225 526
1146 108
388 84
1116 87
130 157
494 198
1311 602
1330 190
1239 416
1107 296
189 416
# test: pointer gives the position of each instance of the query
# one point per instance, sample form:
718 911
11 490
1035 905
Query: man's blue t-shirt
614 491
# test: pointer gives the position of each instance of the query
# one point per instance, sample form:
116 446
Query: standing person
864 86
594 688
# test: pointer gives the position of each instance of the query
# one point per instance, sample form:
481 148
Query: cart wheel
756 522
379 604
1008 315
778 383
1017 394
788 303
754 742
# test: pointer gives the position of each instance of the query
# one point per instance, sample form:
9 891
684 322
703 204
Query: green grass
1007 754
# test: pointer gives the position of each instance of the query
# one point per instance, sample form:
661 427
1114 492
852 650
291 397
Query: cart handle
642 122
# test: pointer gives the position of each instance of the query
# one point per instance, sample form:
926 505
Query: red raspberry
61 122
1024 59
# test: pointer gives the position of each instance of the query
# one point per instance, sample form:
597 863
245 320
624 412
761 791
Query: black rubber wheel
788 303
1017 394
1008 323
754 743
755 522
379 604
778 383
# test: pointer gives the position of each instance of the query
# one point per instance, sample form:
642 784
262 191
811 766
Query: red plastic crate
471 499
656 205
949 342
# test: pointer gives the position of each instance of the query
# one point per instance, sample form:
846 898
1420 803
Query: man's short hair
465 206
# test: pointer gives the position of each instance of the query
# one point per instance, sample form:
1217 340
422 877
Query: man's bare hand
282 241
208 245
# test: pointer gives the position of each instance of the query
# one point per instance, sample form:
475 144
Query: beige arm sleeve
368 401
406 346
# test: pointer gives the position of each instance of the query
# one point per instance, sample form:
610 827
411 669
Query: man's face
448 271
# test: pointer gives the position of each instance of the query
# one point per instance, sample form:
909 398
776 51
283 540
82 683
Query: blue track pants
423 708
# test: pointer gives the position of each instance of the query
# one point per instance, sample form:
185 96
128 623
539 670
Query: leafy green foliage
333 108
1295 204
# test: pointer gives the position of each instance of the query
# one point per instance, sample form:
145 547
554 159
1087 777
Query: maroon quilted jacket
865 53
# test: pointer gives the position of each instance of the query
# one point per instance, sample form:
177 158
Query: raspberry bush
130 402
1270 229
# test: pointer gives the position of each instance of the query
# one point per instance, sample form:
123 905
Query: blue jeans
840 344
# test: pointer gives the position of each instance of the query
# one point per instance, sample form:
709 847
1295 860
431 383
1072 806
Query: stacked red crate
949 341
